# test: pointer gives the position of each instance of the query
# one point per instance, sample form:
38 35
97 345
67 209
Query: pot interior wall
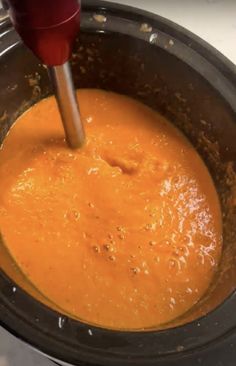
152 75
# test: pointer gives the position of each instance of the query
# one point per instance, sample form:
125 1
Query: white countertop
212 20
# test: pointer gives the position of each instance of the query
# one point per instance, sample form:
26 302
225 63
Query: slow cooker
151 59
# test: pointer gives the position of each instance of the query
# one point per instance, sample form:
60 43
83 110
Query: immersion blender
49 29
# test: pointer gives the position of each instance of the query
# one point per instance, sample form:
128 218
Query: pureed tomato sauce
124 233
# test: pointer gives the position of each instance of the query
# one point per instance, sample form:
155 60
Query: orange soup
124 232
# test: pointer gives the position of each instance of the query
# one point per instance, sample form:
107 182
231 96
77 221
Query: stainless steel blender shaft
66 99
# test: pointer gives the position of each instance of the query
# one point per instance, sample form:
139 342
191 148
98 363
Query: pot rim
72 341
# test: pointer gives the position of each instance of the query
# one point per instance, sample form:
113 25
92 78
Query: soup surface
123 233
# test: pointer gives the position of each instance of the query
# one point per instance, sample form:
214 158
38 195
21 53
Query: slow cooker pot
133 52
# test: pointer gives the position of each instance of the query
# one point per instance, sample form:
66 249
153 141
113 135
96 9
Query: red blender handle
47 27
